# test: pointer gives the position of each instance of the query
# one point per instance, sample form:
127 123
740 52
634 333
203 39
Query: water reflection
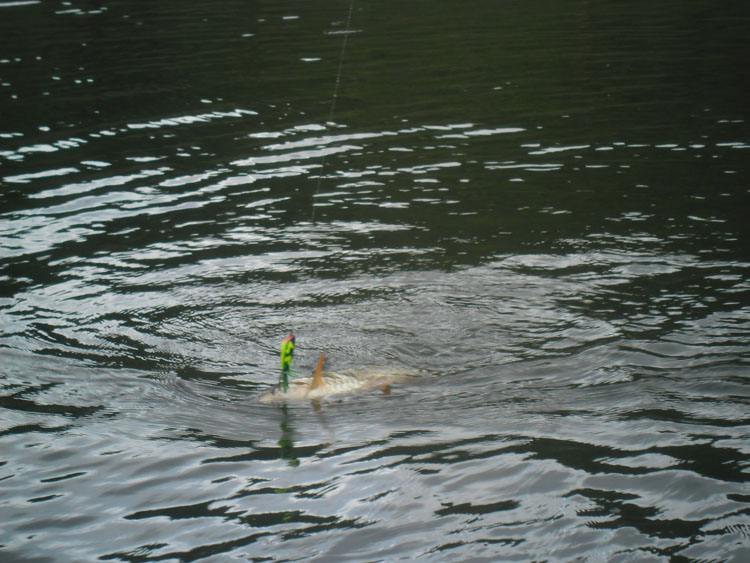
286 441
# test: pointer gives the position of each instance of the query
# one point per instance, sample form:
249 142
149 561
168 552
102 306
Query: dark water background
543 205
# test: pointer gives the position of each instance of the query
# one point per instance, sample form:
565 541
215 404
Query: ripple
562 265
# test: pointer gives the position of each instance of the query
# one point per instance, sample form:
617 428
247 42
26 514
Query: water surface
540 206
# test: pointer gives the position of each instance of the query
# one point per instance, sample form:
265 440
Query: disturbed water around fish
541 207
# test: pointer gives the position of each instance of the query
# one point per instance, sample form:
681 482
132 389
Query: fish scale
336 383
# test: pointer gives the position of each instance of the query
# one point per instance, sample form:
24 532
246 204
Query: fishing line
344 41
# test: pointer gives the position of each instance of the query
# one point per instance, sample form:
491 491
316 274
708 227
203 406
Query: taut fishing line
334 98
287 345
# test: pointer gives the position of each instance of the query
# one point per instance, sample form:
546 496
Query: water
541 206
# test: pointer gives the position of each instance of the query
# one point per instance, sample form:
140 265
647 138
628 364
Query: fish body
335 384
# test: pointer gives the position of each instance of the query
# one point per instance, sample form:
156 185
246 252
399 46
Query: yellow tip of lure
287 351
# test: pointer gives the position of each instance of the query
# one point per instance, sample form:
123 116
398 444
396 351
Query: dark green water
541 205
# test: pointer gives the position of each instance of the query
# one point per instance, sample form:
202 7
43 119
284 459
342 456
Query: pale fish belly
336 384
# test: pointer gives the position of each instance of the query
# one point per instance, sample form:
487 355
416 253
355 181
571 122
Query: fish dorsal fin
318 377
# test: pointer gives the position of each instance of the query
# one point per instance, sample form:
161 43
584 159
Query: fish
321 384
